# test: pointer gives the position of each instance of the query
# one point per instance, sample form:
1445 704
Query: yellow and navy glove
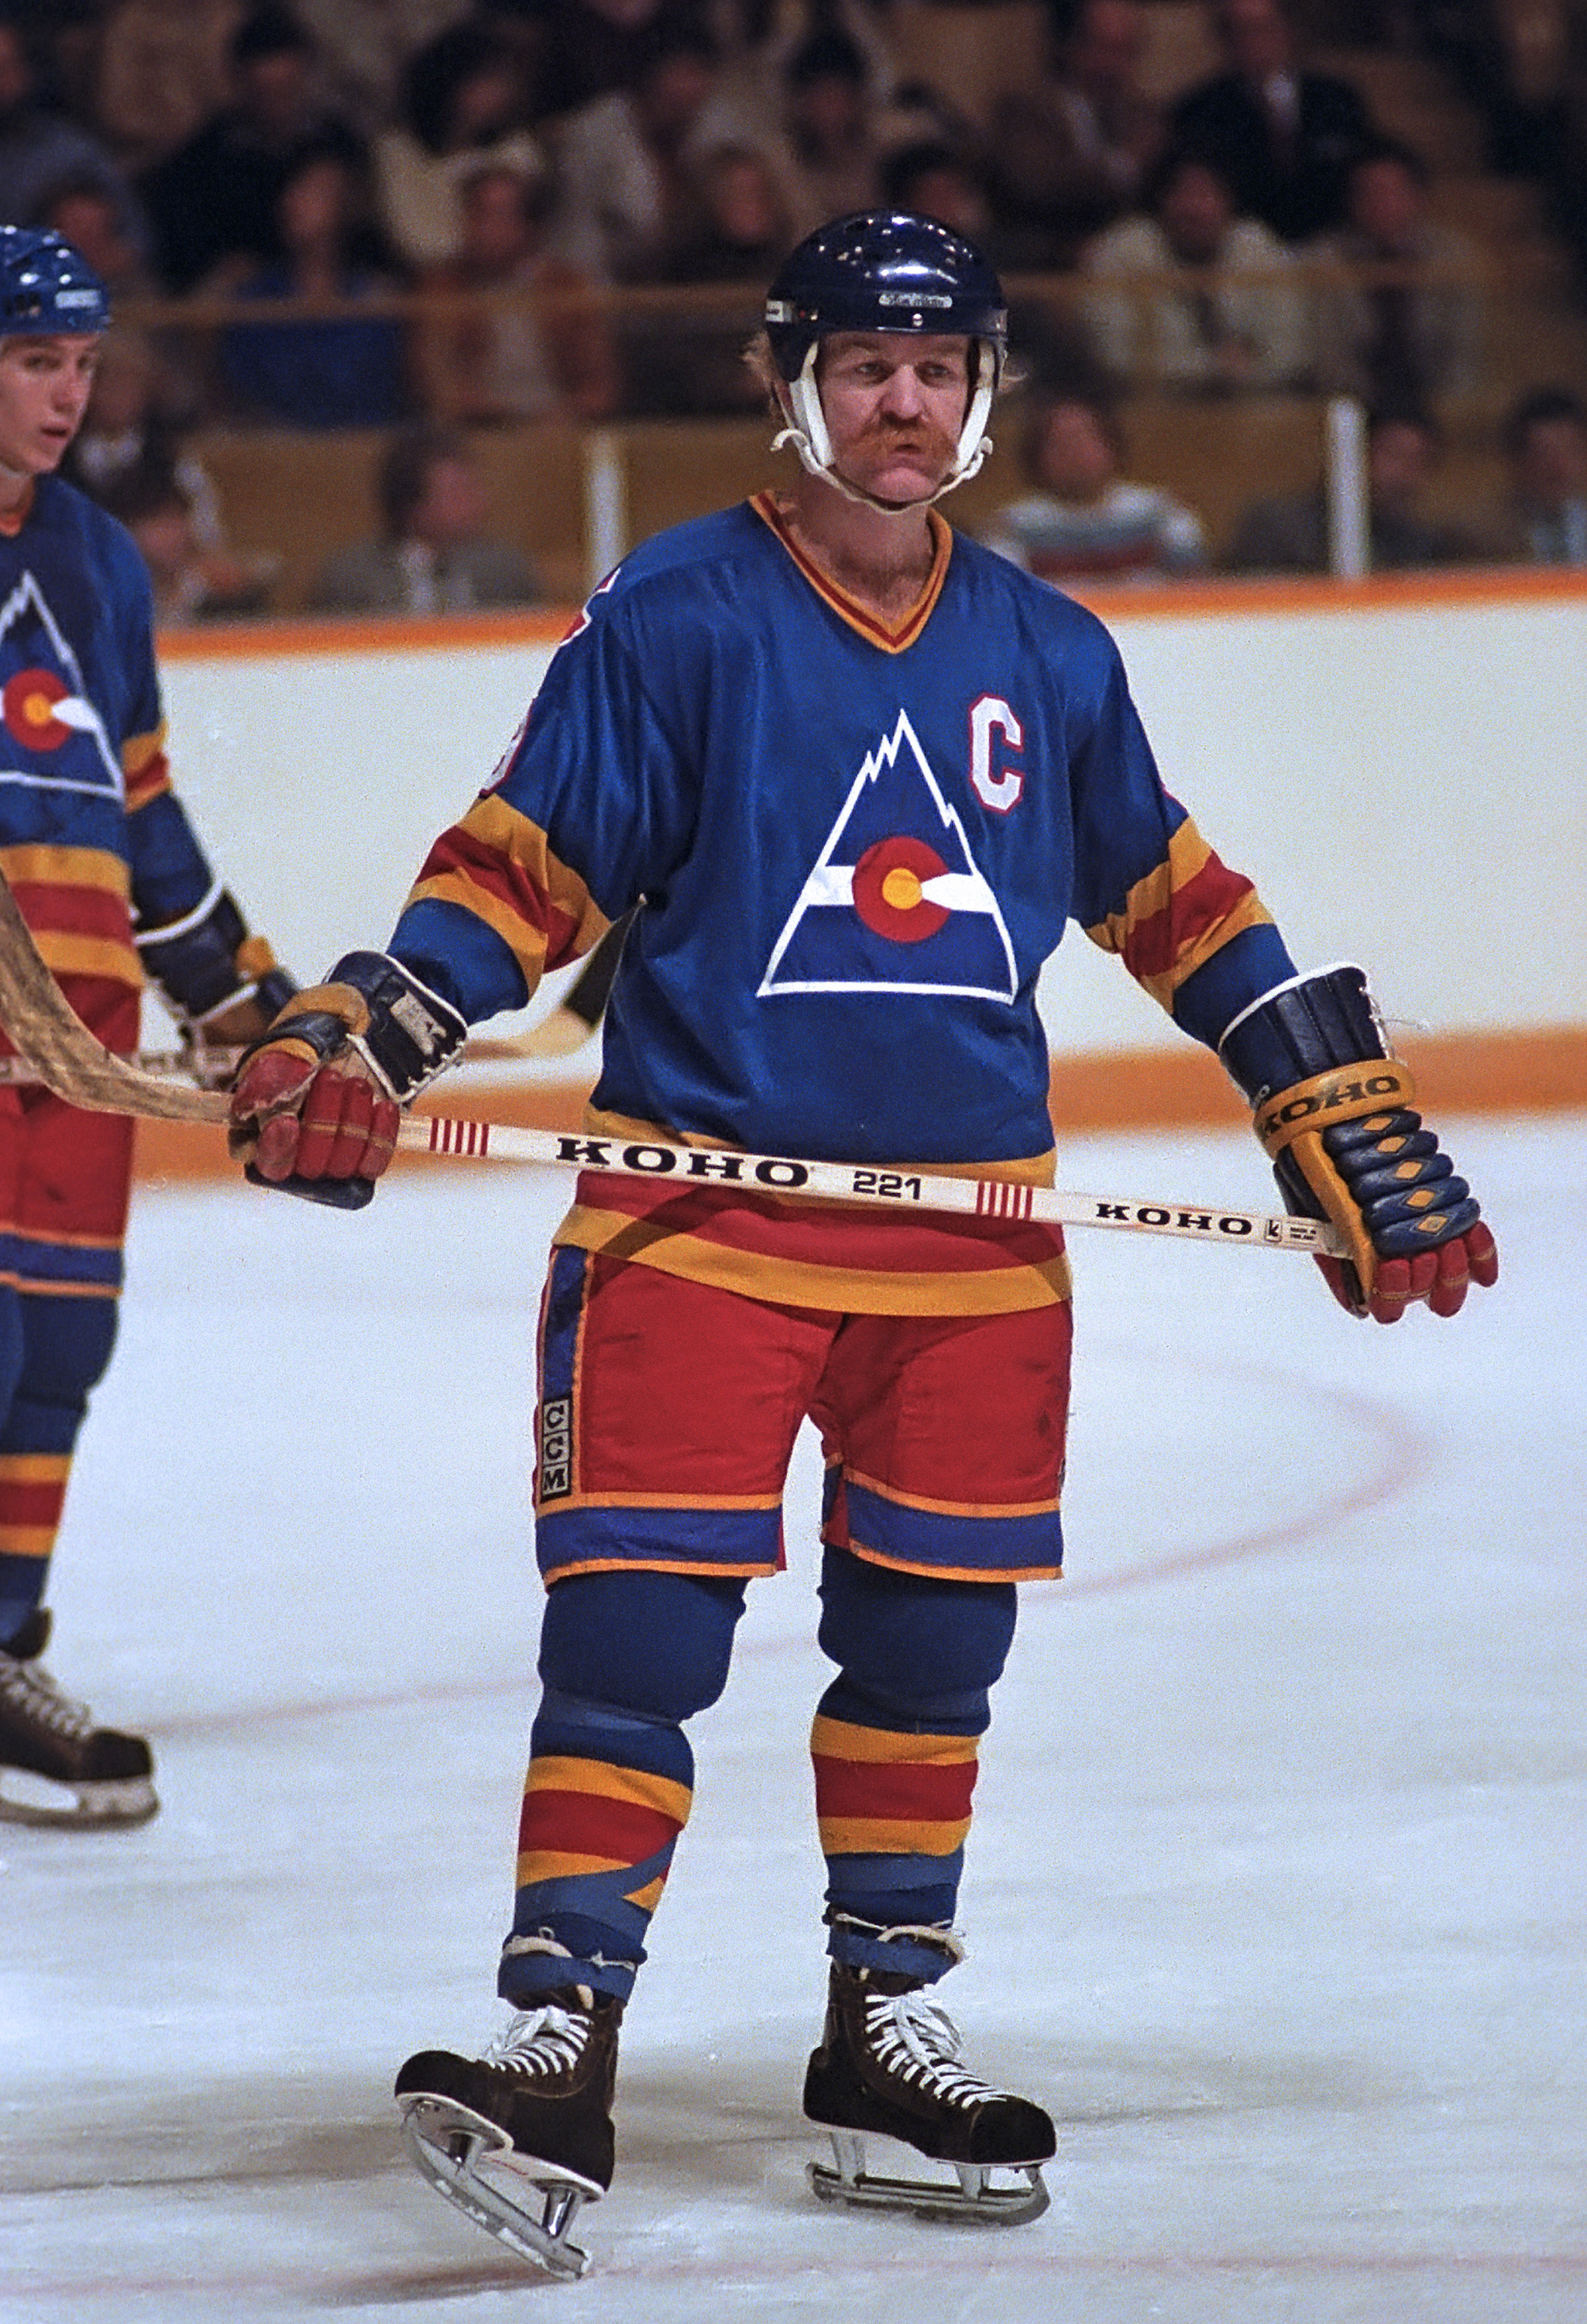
1334 1113
316 1100
222 985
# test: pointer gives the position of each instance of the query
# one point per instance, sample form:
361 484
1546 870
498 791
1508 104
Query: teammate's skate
888 2064
56 1767
521 2138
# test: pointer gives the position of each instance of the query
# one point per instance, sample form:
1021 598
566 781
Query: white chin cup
808 435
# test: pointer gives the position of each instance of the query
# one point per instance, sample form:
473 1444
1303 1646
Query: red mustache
907 436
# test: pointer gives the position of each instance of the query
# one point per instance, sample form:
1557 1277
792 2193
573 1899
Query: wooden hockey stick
68 1060
550 1038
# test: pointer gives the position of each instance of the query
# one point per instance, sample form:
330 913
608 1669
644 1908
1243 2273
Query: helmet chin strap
807 433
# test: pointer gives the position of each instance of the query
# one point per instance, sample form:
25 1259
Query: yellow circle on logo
901 889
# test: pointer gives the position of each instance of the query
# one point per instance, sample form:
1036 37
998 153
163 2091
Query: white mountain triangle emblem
895 902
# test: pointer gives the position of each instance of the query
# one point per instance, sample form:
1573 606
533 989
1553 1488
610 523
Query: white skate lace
27 1688
914 2041
546 2041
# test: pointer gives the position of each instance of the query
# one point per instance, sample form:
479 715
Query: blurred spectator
433 554
462 105
1069 154
1290 535
40 148
336 371
1545 518
548 357
190 583
162 73
131 423
1228 325
770 31
830 118
1283 138
1084 523
936 180
1412 340
692 363
625 162
215 201
739 230
86 215
587 48
86 212
366 45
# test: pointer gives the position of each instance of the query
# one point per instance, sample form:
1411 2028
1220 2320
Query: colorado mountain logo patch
44 714
896 902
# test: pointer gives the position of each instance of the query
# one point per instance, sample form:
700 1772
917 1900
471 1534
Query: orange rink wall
1400 764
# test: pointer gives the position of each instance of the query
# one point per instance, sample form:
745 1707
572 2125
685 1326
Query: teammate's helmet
884 271
46 286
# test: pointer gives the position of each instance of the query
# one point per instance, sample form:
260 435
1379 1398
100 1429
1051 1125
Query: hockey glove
1334 1113
315 1103
222 985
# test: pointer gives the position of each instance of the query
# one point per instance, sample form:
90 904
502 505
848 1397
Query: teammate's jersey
91 832
855 846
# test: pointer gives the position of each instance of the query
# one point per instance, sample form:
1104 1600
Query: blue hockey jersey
856 847
91 834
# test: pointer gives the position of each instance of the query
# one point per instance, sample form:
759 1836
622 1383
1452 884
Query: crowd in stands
408 214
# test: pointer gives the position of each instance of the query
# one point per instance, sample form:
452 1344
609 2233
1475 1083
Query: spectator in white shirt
1229 322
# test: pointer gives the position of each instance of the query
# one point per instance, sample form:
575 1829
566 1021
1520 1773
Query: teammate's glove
222 985
1333 1109
315 1103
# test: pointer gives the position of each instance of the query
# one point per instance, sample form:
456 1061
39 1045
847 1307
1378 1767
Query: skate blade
451 2146
29 1799
979 2196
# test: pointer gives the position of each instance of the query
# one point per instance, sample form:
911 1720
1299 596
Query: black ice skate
521 2138
56 1767
888 2064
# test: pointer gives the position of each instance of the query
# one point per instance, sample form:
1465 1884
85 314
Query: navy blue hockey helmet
884 271
46 286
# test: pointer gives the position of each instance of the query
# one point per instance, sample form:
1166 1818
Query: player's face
894 406
44 383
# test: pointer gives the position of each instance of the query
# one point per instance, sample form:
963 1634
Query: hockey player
861 772
114 884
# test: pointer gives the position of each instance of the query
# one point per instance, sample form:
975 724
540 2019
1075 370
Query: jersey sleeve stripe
496 863
1177 916
146 768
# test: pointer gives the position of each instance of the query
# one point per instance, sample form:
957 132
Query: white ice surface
1275 1895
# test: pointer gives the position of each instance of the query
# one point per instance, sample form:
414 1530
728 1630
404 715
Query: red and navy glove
315 1101
1334 1113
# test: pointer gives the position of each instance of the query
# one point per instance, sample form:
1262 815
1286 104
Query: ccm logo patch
556 1449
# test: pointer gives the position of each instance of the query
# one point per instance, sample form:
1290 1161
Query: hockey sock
626 1658
894 1744
60 1348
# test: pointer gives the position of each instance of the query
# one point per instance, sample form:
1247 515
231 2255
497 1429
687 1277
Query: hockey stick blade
80 1070
211 1068
56 1043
